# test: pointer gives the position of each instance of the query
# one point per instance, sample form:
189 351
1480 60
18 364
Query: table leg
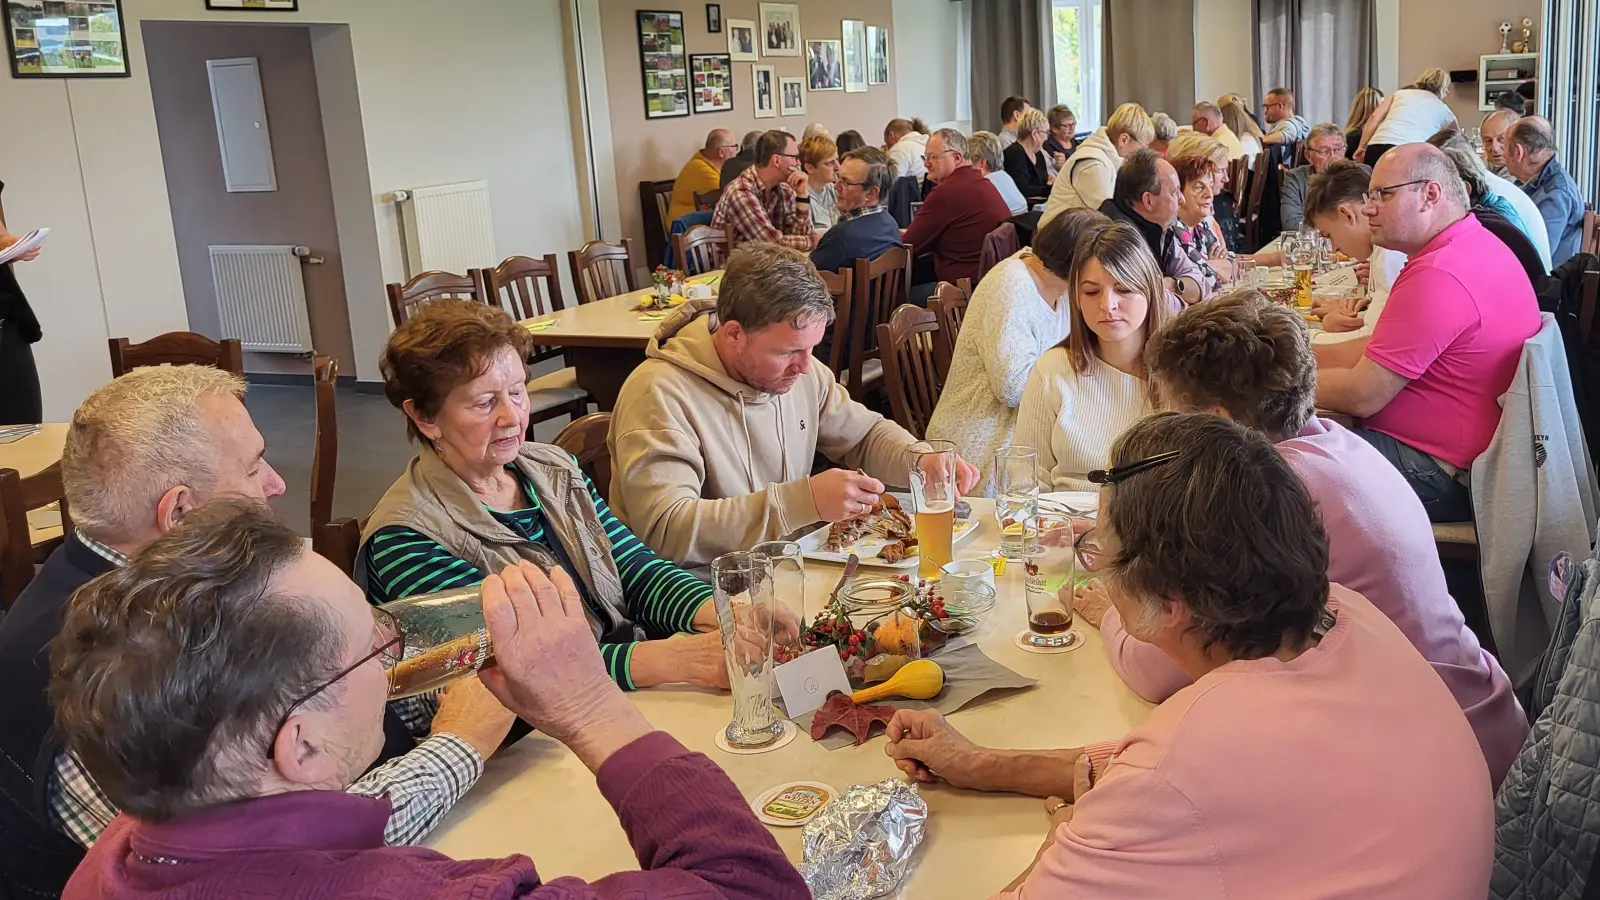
602 370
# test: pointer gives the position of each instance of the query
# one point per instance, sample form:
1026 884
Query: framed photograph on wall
712 76
714 18
824 71
780 29
764 87
855 56
742 40
664 67
278 5
877 54
54 39
792 95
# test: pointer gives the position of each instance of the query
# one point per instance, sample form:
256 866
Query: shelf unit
1488 89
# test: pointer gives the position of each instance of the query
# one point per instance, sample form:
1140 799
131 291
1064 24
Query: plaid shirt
858 212
748 212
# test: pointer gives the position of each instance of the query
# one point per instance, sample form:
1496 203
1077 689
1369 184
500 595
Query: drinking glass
445 639
1245 272
1049 565
747 615
933 500
788 587
1303 261
1016 504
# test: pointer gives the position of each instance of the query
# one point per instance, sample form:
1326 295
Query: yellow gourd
920 679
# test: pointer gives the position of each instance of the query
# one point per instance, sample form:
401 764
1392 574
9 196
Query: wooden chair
949 305
176 348
526 287
910 370
340 542
701 249
433 285
838 285
1587 301
585 439
1239 179
18 554
1251 214
1591 233
655 198
707 201
325 446
878 286
601 269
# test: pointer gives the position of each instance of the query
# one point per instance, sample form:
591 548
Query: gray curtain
1323 50
1148 55
1012 55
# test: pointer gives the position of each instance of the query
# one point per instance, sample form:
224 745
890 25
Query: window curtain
1148 55
1569 87
1322 50
1013 54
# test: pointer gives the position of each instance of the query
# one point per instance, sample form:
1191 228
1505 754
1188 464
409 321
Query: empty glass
1016 498
748 617
1245 272
788 584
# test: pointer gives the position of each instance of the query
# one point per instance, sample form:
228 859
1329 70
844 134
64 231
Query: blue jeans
1445 499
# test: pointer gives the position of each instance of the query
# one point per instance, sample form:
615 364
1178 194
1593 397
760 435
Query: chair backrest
176 348
707 200
702 249
1591 233
949 305
998 244
655 198
838 285
1587 299
1239 178
433 285
18 495
601 269
1252 206
339 542
903 192
877 287
911 374
585 439
325 446
525 286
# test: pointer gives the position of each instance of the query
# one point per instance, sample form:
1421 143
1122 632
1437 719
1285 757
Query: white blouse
1071 419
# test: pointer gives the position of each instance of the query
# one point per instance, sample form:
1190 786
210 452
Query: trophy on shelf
1505 37
1525 44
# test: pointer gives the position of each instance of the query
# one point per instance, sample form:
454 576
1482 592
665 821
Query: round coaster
1074 641
789 731
792 805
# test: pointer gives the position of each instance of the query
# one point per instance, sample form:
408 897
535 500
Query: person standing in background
20 400
1361 109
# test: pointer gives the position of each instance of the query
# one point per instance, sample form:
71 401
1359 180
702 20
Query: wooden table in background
29 456
536 798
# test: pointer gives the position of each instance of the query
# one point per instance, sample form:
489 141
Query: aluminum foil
860 845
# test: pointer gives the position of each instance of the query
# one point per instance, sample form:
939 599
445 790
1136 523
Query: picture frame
854 56
742 39
780 29
764 88
711 82
255 5
792 95
824 65
663 64
877 54
714 18
56 39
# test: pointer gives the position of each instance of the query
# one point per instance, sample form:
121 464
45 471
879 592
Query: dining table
31 455
604 340
537 799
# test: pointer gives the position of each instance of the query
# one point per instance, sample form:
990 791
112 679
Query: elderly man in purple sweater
227 684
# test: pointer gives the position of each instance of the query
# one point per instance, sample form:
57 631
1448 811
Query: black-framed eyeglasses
1088 550
859 184
1118 474
1379 195
389 652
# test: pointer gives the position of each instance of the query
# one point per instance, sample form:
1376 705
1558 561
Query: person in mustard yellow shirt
702 174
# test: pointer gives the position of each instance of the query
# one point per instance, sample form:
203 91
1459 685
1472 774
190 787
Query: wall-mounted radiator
261 297
448 227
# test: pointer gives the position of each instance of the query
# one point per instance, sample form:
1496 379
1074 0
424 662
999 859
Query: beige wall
647 150
1452 34
1223 56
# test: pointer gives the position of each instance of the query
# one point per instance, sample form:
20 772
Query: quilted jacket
1547 812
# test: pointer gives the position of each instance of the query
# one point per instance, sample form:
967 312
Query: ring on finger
1059 807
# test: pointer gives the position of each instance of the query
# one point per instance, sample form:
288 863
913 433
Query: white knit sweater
1009 324
1072 419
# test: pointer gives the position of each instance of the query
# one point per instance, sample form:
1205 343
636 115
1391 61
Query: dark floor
373 449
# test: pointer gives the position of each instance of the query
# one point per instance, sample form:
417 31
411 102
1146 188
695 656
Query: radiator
448 227
261 297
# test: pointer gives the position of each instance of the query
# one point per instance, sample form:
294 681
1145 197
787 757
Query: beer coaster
792 805
789 731
1074 641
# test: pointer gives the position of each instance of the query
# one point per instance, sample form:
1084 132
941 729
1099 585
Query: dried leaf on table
855 718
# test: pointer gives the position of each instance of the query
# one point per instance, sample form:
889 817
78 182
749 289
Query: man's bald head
1530 144
1421 194
717 139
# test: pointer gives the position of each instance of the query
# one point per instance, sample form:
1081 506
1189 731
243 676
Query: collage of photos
665 64
73 38
713 82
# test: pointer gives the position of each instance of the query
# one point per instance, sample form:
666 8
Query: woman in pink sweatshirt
1246 358
1315 754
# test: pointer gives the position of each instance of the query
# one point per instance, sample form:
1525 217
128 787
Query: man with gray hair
1531 157
947 232
1207 119
714 435
864 229
987 157
1427 382
1493 132
1325 145
142 452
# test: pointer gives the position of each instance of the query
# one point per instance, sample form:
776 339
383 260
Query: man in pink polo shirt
1428 380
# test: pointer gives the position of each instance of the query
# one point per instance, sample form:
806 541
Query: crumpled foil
860 845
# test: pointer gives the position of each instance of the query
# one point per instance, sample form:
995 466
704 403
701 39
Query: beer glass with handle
933 501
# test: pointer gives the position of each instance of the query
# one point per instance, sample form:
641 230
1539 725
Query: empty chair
526 287
911 377
655 199
834 343
601 269
702 249
324 448
176 348
18 496
878 286
434 285
585 439
1251 214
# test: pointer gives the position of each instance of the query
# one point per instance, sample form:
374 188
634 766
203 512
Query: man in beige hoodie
713 437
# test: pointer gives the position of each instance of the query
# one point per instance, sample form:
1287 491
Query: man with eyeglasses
1325 145
952 223
864 229
768 202
1426 383
142 453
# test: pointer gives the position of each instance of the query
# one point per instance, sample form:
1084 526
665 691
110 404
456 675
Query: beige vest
433 500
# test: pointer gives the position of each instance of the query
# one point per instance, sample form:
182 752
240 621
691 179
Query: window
1076 32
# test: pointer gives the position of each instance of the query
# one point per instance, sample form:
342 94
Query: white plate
867 548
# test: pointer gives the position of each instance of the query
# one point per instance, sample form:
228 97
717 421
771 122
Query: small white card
806 682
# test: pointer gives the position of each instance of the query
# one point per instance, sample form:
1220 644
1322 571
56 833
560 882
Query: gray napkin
968 674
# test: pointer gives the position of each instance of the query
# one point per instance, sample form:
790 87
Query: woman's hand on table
1090 601
923 745
681 659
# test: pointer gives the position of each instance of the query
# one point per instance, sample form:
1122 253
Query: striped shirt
403 562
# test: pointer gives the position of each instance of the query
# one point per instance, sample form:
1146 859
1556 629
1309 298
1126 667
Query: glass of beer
1303 259
933 500
445 639
1049 566
750 623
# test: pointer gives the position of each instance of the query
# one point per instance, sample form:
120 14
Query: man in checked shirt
143 450
768 202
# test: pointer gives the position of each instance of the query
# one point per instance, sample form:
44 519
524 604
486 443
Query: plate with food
885 536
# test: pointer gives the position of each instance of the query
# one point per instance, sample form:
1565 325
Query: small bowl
967 606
